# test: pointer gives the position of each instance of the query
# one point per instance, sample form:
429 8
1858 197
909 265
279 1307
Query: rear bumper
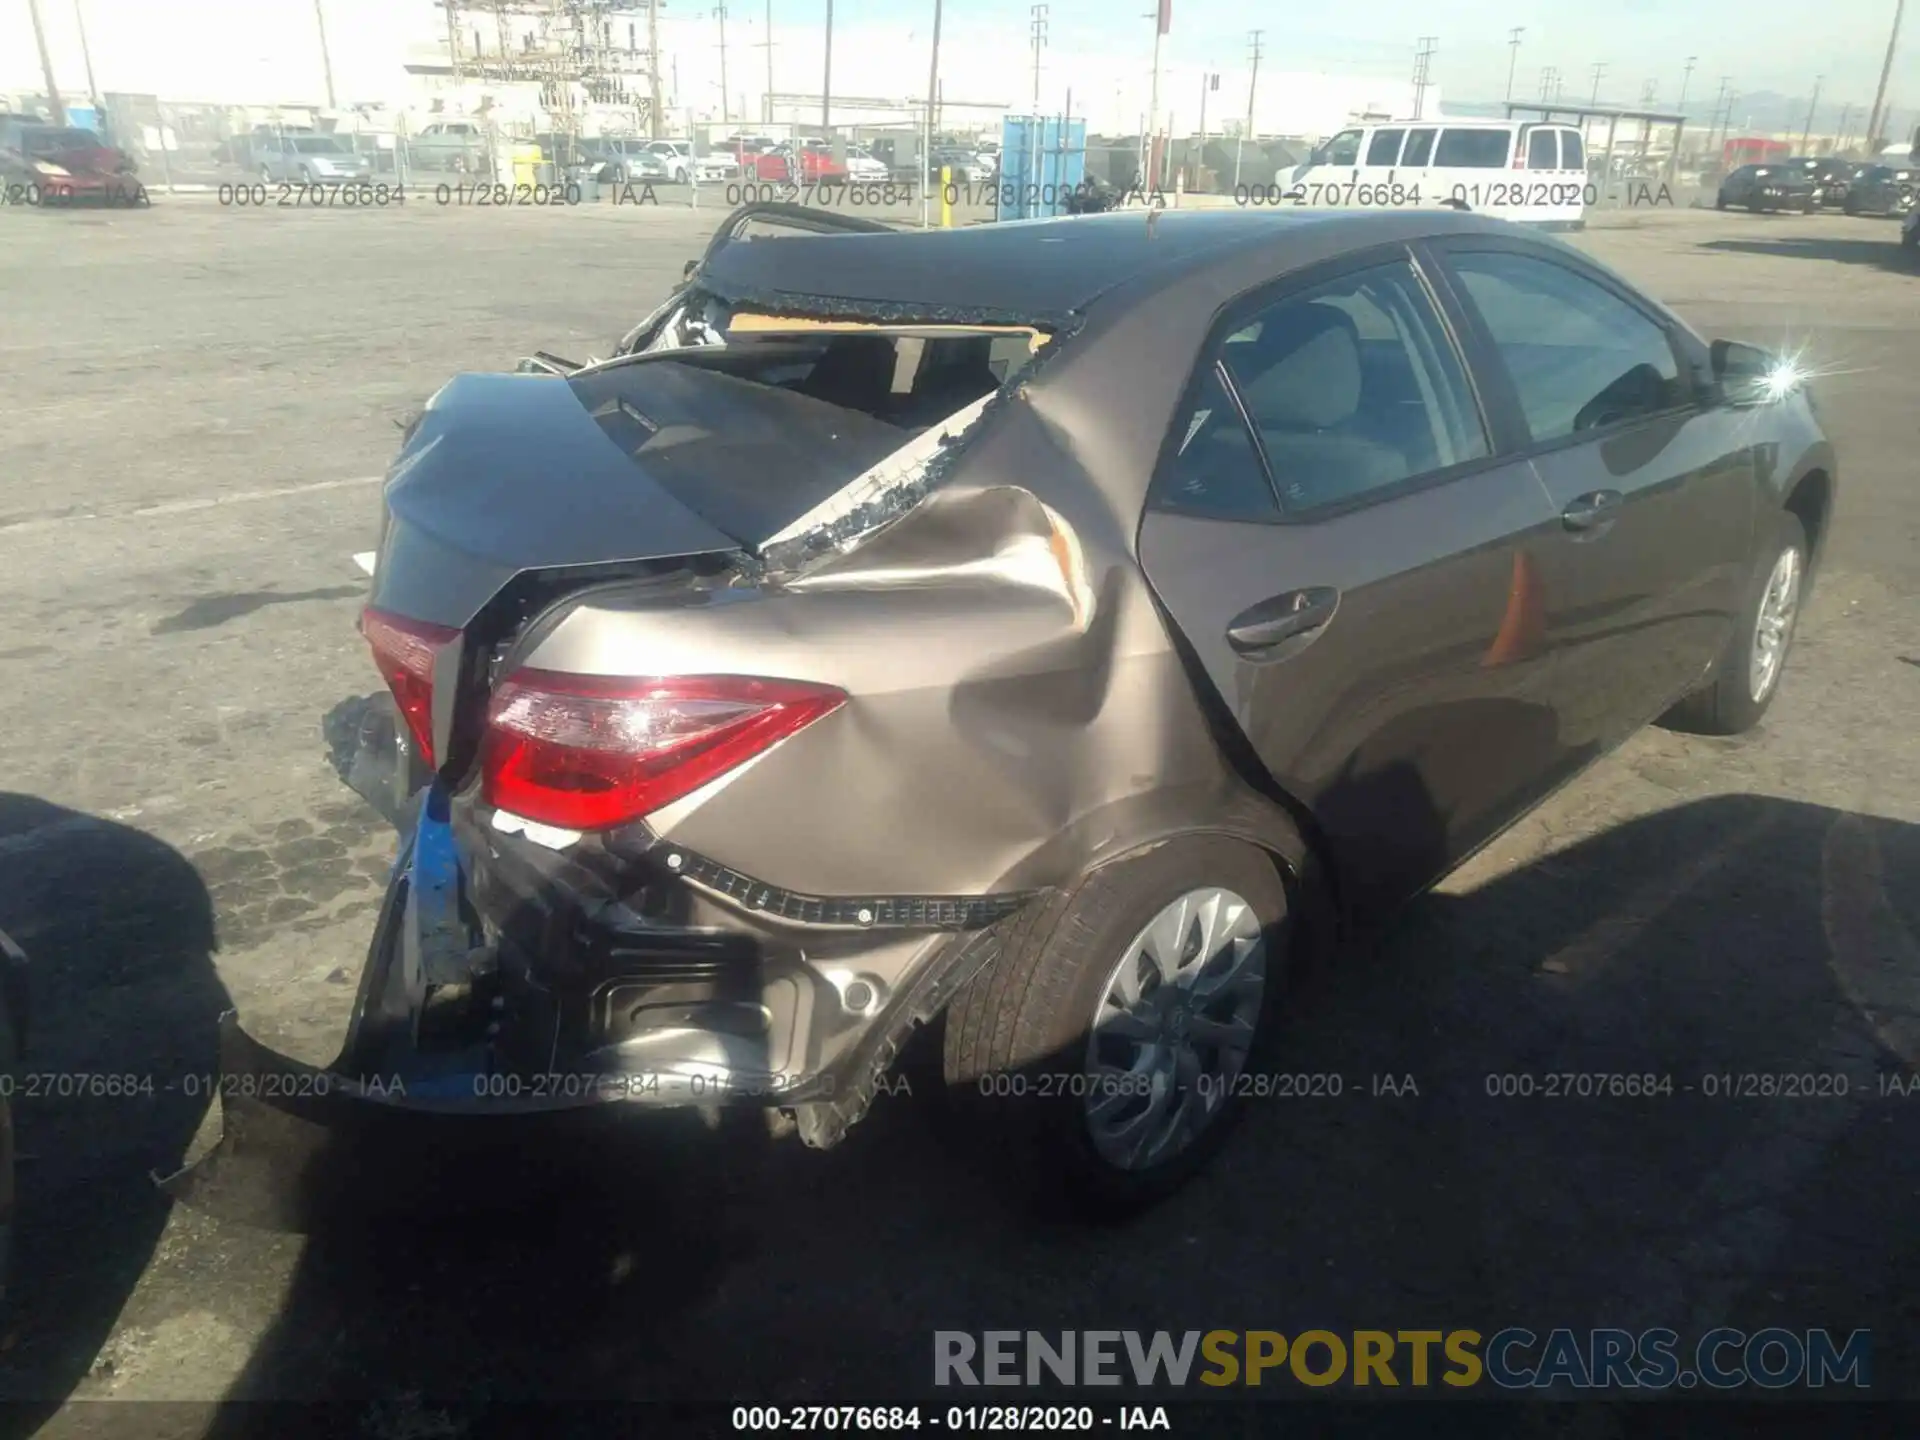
509 985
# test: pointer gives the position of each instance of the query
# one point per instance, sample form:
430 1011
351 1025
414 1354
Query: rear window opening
764 433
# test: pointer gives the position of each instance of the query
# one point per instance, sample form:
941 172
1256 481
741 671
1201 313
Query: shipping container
1042 160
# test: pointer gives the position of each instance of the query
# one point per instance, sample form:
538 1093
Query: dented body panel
996 608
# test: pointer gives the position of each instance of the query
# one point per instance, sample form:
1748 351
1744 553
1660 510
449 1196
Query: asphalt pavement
199 402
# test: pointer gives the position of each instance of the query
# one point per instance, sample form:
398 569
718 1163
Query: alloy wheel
1773 626
1173 1028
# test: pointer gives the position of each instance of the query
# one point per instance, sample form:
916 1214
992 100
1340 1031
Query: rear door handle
1591 510
1282 618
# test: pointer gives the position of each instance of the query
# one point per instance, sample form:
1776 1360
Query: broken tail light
586 752
404 651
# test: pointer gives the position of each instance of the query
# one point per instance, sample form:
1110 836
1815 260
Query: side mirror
1750 376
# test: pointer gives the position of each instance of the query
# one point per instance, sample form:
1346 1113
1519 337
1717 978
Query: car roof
1039 268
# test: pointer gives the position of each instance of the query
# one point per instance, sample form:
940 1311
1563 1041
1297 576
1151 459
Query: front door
1653 480
1340 546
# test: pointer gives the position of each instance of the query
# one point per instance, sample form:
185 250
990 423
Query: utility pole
1598 71
54 102
769 44
720 14
326 60
1549 83
1807 129
1685 76
1840 131
1875 122
1422 67
86 54
1253 83
1647 92
826 80
1038 27
1156 152
1513 55
653 67
933 99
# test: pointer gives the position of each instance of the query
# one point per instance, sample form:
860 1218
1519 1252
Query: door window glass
1352 387
1573 151
1419 147
1579 356
1477 149
1215 471
1384 148
1543 150
1343 149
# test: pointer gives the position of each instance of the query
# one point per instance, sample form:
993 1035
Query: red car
40 163
815 166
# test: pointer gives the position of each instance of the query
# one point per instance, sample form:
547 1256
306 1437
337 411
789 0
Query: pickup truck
449 145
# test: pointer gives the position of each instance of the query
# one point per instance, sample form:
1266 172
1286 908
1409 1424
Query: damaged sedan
1049 638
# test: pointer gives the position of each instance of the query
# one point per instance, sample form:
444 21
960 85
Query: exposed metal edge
853 912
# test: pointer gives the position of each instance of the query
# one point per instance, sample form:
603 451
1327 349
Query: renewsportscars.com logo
1511 1359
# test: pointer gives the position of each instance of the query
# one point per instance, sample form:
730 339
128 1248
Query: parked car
683 163
310 159
793 164
1910 230
862 168
1830 176
624 160
1881 190
784 692
963 167
455 145
1767 187
66 163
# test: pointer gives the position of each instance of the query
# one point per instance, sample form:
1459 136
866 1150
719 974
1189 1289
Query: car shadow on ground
1415 1171
119 930
1885 254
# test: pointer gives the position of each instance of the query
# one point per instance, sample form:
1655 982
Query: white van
1534 172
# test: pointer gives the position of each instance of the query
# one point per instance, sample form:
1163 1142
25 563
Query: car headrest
1303 372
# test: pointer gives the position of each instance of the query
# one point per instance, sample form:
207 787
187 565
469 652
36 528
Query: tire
1909 238
9 1060
1720 201
1725 704
1016 1043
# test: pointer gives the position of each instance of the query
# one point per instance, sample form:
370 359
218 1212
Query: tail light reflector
586 752
404 652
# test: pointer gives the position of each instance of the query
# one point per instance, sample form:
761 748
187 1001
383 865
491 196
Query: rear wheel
1720 201
1746 677
9 1060
1098 1056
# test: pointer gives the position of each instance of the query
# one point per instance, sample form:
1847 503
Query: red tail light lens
404 652
586 752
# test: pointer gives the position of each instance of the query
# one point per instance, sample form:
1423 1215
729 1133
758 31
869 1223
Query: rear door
1653 479
1336 535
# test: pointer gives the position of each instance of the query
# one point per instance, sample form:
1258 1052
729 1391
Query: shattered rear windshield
754 435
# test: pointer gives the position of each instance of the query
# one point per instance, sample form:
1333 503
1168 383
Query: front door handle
1592 510
1282 618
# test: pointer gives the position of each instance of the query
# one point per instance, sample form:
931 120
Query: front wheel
1746 677
1101 1054
1720 201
